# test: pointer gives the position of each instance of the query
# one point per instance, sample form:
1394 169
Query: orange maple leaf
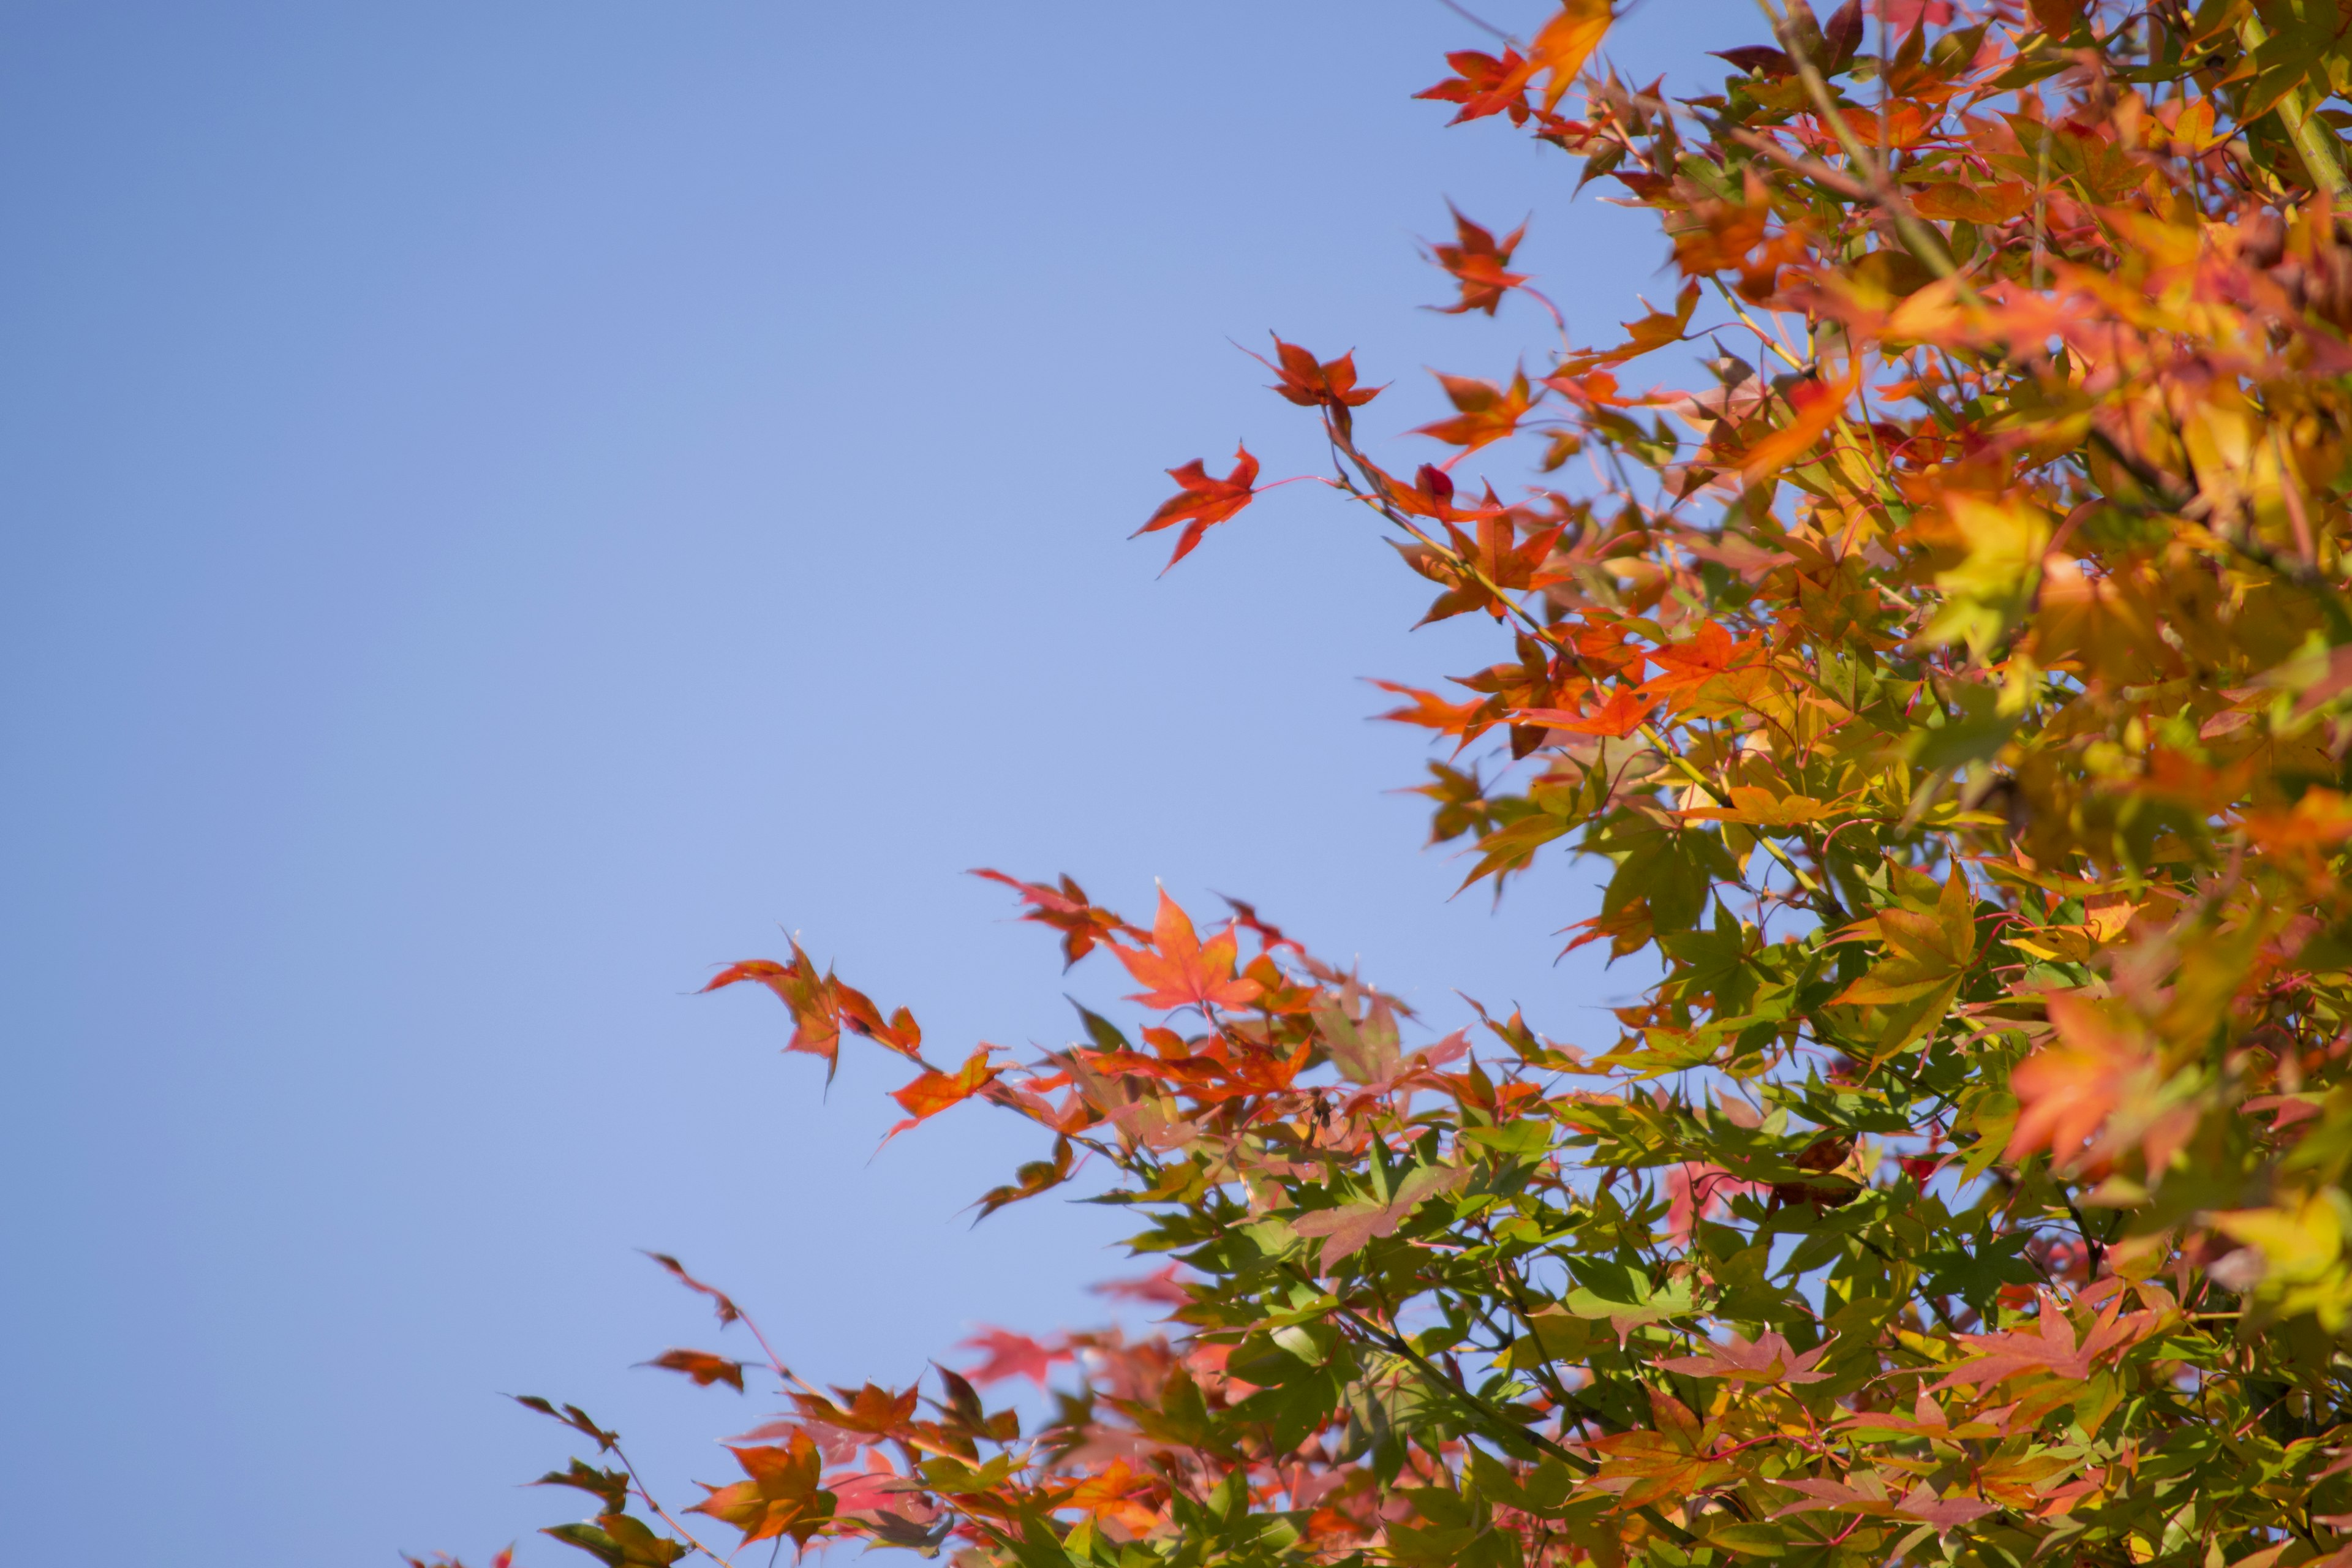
820 1005
1202 500
1566 42
936 1090
1707 653
870 1410
1625 711
2067 1090
782 1497
1179 970
1818 405
1487 412
1468 719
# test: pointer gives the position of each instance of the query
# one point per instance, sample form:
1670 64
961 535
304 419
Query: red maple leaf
1013 1355
1179 970
1484 85
1202 500
1162 1286
2051 1348
1478 260
1067 908
702 1367
1331 383
1769 1359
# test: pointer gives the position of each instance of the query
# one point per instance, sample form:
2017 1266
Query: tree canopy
1955 688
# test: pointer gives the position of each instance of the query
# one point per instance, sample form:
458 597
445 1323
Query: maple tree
1955 687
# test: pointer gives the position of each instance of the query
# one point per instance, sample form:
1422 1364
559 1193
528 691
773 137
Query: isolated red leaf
1478 261
1202 500
1485 84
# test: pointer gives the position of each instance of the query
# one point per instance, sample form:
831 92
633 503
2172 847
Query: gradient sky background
510 504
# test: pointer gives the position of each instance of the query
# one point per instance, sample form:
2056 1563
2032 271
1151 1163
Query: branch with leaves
1954 691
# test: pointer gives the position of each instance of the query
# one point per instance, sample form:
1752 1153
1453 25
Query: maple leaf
1485 84
1943 1512
609 1487
817 1013
1013 1355
620 1541
1487 564
1487 411
780 1496
2067 1090
1269 935
1349 1228
2053 1347
1756 58
1031 1177
1815 404
1621 712
894 1506
1331 385
1161 1286
870 1410
1655 329
702 1367
1108 1491
1928 951
1768 1359
1068 910
1466 720
821 1006
1202 500
1478 261
1565 43
1177 970
1761 807
935 1091
1707 653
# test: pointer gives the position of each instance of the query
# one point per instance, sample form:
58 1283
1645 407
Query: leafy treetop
1957 686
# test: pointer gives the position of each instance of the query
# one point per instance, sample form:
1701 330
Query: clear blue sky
508 505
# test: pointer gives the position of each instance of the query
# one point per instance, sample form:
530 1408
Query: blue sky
510 506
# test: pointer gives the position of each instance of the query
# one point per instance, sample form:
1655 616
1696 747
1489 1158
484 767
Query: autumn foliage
1953 689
